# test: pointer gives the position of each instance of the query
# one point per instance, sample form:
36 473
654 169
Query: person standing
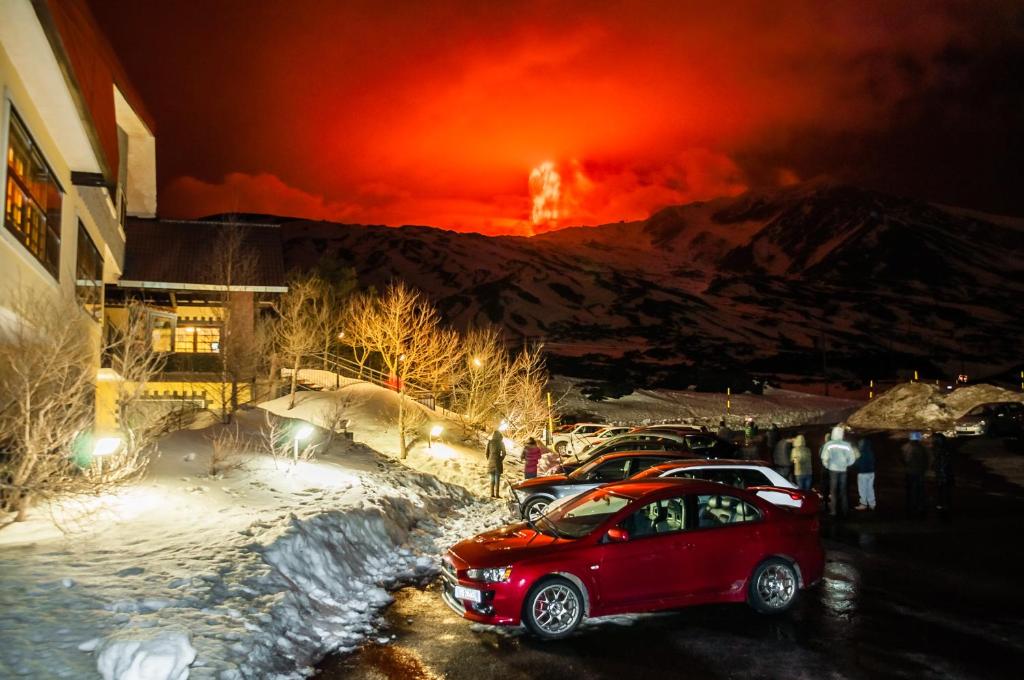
724 432
771 437
531 457
749 430
942 464
782 453
866 475
495 462
837 455
801 458
915 463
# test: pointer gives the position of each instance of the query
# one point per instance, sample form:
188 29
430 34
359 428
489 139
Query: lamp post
301 434
435 431
105 446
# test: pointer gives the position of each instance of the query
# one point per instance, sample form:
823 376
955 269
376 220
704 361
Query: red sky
436 113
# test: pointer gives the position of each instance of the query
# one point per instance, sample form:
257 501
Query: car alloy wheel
535 509
555 609
560 447
774 586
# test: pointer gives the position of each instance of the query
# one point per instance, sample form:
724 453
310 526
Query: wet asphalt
938 597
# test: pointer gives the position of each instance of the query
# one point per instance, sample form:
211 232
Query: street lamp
105 446
435 432
303 433
477 362
503 426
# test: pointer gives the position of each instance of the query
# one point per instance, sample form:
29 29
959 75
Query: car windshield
583 514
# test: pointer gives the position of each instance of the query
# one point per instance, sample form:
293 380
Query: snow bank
146 655
259 573
926 407
784 407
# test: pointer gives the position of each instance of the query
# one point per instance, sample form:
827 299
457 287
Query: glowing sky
518 117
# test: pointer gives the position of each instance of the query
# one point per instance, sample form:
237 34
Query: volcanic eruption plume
545 191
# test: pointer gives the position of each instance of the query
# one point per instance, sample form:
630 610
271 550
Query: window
197 339
660 517
978 410
583 514
89 274
714 511
638 465
33 199
612 471
161 328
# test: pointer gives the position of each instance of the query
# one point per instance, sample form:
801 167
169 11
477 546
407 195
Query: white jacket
838 454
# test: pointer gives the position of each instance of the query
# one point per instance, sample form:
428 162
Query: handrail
344 366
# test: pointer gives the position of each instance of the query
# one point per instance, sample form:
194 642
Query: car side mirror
617 535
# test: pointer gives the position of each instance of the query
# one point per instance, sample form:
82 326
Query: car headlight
981 422
490 575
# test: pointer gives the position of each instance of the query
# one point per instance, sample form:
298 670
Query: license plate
462 593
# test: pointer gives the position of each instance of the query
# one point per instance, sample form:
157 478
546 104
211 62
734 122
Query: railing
336 367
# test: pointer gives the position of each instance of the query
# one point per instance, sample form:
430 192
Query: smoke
546 193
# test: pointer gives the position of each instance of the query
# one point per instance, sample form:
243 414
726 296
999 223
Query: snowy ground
784 407
253 575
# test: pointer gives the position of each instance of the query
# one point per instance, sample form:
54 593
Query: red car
636 546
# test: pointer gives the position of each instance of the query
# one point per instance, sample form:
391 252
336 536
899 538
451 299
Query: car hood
541 481
969 420
504 546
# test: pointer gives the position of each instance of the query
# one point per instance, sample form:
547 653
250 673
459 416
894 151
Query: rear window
716 511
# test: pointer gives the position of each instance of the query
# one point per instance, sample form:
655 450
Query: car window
637 465
584 513
610 471
588 429
660 517
977 411
700 441
1015 408
722 510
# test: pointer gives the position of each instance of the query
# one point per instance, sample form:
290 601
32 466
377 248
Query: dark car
702 444
996 419
531 497
636 546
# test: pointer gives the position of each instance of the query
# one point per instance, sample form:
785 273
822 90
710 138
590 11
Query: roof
92 70
183 254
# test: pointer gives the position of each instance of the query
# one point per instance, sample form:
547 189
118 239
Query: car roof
626 436
702 462
634 454
638 488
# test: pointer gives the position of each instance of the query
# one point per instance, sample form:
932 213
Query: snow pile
165 655
256 574
456 457
926 407
784 407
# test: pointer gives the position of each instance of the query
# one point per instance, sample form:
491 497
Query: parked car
742 474
997 419
531 497
700 444
636 546
671 427
570 439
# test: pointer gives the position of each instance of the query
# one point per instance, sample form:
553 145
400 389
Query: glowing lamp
190 329
104 446
303 433
503 426
436 431
476 361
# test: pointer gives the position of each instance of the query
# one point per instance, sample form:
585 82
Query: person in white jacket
837 455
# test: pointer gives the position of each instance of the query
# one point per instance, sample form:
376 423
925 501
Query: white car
602 435
739 473
573 440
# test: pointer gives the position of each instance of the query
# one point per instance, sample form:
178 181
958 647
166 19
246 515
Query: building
80 155
203 285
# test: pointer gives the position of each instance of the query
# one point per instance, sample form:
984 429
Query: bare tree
477 388
357 315
403 328
227 450
328 316
235 264
521 393
295 328
280 441
47 413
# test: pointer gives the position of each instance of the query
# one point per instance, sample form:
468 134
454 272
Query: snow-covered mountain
760 283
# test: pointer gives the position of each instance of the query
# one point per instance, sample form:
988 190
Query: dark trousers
495 484
839 499
915 494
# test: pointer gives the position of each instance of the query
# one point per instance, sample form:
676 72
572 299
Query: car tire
774 586
553 608
560 447
537 504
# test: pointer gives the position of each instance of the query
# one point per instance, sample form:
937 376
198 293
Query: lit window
162 330
89 274
197 339
33 199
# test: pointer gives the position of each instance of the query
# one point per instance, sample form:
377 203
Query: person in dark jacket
771 437
915 463
942 464
495 462
866 475
724 433
782 459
